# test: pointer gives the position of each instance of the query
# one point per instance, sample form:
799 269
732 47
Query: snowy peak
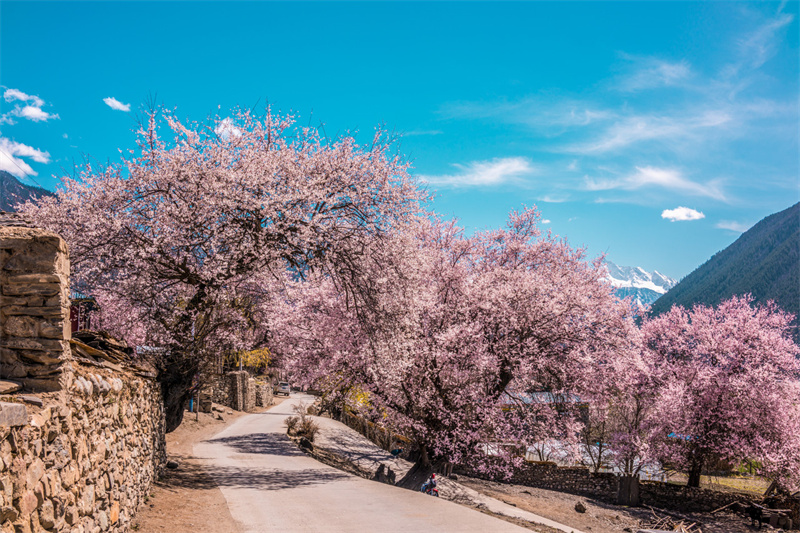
645 287
638 278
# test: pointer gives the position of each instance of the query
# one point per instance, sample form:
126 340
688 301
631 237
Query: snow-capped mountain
645 287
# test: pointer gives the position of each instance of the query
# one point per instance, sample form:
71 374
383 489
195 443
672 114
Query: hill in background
13 192
764 261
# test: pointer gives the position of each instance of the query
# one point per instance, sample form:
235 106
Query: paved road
271 486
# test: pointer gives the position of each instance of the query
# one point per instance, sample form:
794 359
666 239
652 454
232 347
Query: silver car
283 388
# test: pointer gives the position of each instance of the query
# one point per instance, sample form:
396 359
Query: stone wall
574 480
603 486
263 395
87 458
34 275
690 499
82 454
238 391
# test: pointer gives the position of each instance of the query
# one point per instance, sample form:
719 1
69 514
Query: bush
308 428
291 424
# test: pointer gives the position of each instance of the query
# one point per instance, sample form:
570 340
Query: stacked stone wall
82 454
264 396
34 276
87 458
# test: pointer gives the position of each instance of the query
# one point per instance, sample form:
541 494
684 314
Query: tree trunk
176 376
419 473
628 491
695 470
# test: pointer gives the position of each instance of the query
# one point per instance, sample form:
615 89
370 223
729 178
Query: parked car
283 388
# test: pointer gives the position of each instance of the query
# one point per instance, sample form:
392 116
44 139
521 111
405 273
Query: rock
580 507
172 464
71 516
454 477
8 387
28 503
7 512
102 519
13 414
113 514
33 400
35 473
47 516
219 416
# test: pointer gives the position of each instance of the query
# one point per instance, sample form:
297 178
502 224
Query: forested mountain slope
13 192
764 261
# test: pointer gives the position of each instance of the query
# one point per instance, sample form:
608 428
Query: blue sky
654 132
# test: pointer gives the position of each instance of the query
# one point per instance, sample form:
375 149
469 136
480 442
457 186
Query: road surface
271 486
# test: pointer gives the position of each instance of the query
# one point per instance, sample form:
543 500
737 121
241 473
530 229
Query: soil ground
185 499
599 517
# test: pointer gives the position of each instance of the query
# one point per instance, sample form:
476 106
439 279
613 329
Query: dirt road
272 486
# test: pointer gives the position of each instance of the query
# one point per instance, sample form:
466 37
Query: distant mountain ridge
643 286
13 192
764 261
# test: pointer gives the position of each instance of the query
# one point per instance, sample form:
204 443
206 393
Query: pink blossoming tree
171 241
458 331
728 383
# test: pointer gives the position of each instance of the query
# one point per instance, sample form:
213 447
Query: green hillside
764 261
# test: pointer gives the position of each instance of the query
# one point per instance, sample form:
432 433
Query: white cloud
681 214
65 136
32 110
732 226
113 103
11 154
225 129
15 94
545 221
659 177
484 173
34 113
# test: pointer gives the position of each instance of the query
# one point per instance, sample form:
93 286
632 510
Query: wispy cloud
653 73
681 214
665 178
497 171
31 110
12 154
732 226
113 103
758 46
414 133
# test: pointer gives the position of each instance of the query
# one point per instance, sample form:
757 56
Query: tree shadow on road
195 476
263 443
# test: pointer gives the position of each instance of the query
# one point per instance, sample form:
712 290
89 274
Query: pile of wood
672 523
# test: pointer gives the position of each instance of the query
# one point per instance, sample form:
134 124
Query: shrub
291 424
